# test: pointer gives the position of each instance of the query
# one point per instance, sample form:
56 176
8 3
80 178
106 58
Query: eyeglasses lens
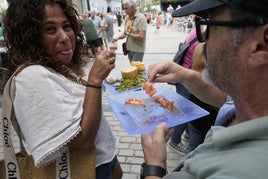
203 30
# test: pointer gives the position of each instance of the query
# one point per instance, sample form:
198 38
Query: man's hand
167 71
154 145
114 40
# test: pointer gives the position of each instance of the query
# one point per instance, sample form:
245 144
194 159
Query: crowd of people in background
104 25
164 18
105 21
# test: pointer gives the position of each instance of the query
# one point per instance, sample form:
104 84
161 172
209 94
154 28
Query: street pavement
159 47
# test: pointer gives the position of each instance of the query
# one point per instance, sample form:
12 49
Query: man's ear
258 50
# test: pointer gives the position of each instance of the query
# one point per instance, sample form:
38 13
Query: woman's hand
92 107
101 68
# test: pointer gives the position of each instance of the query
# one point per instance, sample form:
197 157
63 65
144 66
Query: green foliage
122 4
148 7
4 12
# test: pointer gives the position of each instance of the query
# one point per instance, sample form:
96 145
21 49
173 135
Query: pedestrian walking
135 31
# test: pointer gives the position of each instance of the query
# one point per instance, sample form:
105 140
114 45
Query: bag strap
182 49
11 163
192 42
9 153
188 46
13 118
132 22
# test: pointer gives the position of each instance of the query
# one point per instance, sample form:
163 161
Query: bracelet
152 170
92 86
86 84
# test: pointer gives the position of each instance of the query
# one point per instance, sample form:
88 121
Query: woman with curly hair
52 108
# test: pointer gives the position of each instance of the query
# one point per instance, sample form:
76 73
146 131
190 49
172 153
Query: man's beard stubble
205 73
219 69
209 74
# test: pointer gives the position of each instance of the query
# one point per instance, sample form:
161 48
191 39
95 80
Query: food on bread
164 102
129 72
110 79
149 88
135 102
140 66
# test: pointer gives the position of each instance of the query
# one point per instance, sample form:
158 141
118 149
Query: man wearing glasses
236 37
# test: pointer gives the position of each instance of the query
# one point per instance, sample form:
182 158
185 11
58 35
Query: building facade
84 6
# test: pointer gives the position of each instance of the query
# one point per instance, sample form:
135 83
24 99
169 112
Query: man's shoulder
141 18
109 19
88 22
141 15
96 18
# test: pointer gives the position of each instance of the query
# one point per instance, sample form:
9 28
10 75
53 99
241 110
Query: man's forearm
203 90
121 36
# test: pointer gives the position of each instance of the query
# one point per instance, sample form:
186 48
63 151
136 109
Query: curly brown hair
23 33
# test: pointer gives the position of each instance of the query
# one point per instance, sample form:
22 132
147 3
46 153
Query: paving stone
135 160
135 169
126 152
138 153
123 145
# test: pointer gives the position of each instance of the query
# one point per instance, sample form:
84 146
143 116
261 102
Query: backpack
182 49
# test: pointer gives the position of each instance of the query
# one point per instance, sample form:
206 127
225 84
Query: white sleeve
48 108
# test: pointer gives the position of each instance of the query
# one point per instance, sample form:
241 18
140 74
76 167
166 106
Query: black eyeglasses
202 30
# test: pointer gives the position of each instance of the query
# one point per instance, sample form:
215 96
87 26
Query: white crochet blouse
48 108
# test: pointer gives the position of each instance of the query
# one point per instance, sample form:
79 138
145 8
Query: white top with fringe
48 108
